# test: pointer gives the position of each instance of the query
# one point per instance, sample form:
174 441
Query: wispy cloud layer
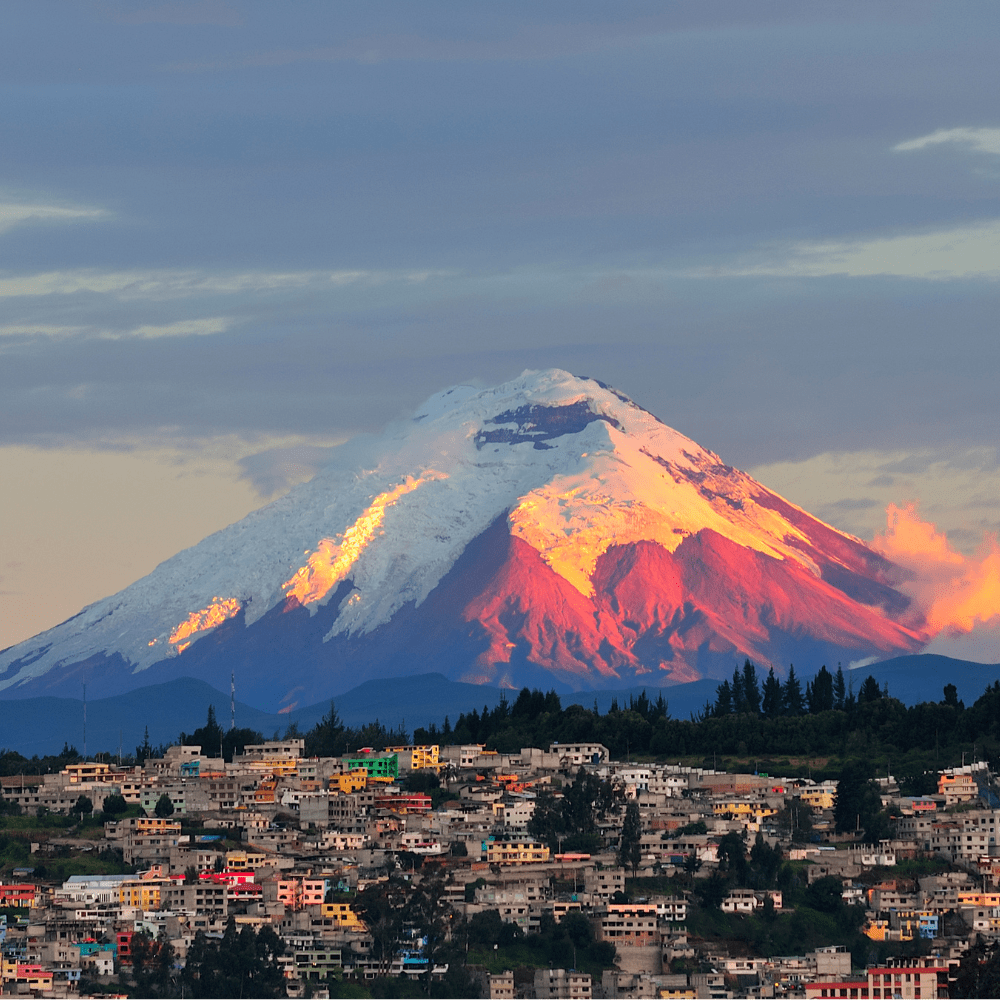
169 284
182 328
14 214
980 140
971 251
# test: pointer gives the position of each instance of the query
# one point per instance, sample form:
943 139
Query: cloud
37 330
956 593
971 251
979 140
276 470
957 487
17 214
168 284
181 328
981 644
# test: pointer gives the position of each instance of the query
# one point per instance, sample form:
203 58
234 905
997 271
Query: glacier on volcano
546 529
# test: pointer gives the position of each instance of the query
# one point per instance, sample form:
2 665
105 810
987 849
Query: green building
378 768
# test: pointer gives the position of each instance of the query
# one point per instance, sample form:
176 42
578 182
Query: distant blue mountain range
42 725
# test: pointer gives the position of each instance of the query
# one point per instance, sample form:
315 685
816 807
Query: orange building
957 788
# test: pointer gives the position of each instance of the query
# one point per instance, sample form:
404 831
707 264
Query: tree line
823 719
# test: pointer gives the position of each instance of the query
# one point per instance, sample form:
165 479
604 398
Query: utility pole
232 701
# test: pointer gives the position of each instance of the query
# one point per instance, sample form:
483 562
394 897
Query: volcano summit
547 531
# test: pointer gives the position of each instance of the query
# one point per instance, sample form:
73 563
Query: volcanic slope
547 531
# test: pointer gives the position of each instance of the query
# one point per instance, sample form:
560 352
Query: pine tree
739 695
870 691
819 692
723 700
839 689
771 703
791 693
751 688
144 752
660 708
629 849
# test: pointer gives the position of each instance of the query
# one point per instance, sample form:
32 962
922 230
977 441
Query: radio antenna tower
232 701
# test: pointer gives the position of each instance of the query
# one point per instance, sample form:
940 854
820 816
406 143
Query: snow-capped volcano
547 530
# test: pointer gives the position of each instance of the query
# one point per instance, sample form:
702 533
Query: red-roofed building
909 982
17 894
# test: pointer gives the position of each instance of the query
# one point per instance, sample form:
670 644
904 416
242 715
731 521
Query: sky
234 235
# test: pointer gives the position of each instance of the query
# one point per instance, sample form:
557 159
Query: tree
164 806
83 806
546 824
951 696
979 971
208 737
328 738
723 700
712 891
382 907
114 805
145 751
629 844
819 692
771 701
692 865
839 689
242 964
751 688
733 859
826 894
660 709
739 695
234 740
870 691
152 966
791 693
859 803
427 915
571 822
764 863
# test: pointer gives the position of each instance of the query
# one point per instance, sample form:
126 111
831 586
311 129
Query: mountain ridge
41 725
548 531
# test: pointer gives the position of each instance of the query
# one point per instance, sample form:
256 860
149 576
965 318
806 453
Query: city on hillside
562 870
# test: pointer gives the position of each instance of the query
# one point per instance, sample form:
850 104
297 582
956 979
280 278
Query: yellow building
505 852
144 894
819 797
742 809
90 773
343 916
879 930
146 826
349 781
33 976
425 756
244 861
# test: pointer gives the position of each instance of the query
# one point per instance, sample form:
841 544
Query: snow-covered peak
574 465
